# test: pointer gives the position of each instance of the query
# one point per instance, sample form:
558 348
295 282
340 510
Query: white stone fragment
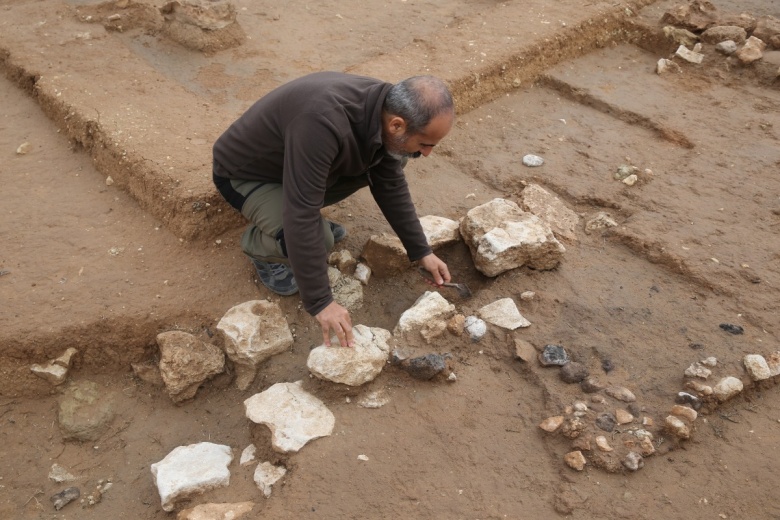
757 367
601 220
503 313
253 332
676 427
532 160
527 295
375 399
347 290
501 236
697 370
191 470
362 273
643 434
665 65
620 393
216 511
727 47
355 365
603 444
633 461
59 474
551 424
475 327
248 456
294 416
630 180
689 55
709 361
428 307
66 359
54 374
266 475
364 458
727 388
23 148
440 231
579 406
342 260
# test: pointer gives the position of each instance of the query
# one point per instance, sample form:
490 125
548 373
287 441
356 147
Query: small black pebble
696 346
732 329
607 365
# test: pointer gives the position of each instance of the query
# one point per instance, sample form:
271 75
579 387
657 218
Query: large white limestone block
253 332
355 365
293 415
191 470
501 236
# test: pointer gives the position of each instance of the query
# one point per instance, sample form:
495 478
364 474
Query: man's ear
397 125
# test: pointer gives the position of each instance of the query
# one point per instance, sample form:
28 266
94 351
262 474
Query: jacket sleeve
311 144
391 192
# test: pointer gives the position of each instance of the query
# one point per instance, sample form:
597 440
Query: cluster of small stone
698 395
743 35
607 432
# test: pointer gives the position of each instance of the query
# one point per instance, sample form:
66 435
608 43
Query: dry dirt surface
105 266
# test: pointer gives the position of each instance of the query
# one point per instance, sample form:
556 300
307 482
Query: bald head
418 100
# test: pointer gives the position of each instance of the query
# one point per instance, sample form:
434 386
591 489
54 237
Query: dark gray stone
732 329
65 497
425 367
573 372
553 355
606 422
689 399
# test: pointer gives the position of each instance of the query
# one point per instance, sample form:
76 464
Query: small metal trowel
462 288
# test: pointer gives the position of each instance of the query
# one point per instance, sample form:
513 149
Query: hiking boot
339 231
277 277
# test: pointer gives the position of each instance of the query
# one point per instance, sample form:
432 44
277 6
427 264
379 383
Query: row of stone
500 235
744 36
697 393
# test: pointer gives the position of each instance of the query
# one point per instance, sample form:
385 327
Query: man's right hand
336 318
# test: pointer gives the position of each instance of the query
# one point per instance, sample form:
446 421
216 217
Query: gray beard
403 155
398 144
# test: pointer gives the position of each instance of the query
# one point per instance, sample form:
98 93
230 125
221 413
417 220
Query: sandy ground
102 268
